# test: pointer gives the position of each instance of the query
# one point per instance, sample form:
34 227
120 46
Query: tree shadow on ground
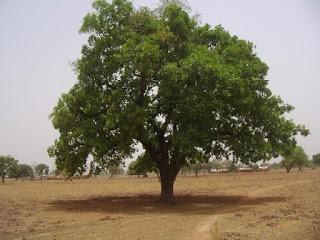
149 203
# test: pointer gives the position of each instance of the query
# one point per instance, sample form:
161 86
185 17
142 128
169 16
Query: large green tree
161 79
8 166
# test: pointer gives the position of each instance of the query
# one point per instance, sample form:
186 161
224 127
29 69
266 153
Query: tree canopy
8 166
22 171
298 158
177 87
41 169
316 159
142 165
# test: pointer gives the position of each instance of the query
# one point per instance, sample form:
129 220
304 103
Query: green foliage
142 166
316 159
287 163
216 164
198 162
8 166
185 169
22 171
115 170
172 85
298 158
41 169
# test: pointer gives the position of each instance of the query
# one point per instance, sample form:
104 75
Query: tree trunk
167 183
288 169
2 177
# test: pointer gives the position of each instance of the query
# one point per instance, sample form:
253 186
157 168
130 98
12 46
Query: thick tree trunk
167 183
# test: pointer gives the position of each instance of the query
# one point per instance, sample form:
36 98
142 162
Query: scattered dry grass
265 205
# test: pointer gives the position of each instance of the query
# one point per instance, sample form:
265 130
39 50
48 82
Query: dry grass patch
267 205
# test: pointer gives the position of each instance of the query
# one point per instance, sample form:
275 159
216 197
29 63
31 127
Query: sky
39 39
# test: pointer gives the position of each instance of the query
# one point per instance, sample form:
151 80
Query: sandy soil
264 205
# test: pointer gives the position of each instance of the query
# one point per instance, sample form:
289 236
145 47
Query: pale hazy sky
39 39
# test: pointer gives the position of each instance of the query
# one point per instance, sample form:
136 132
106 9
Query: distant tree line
143 165
201 164
10 167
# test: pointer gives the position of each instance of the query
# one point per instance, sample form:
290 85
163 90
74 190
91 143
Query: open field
264 205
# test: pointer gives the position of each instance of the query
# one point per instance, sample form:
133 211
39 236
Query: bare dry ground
263 205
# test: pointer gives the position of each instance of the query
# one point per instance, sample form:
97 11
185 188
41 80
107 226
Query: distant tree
115 171
132 168
316 159
14 172
232 166
216 164
207 167
41 169
198 161
288 163
171 84
142 166
185 169
300 158
196 167
22 171
96 169
8 166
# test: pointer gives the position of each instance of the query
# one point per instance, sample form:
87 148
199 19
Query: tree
198 162
300 158
231 166
115 170
41 169
22 171
184 170
172 85
142 166
287 163
316 159
216 164
8 166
